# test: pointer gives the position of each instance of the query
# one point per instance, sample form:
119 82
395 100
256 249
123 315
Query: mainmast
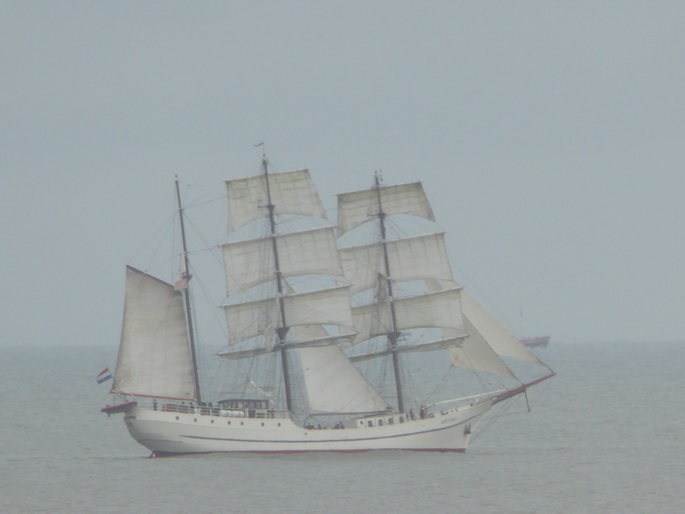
394 334
185 276
283 329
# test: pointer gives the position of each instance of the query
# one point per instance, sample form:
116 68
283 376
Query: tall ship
346 337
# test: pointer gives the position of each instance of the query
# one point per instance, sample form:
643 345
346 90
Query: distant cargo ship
534 342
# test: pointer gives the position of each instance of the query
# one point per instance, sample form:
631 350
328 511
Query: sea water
605 435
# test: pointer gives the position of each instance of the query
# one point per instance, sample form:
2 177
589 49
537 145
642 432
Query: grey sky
549 137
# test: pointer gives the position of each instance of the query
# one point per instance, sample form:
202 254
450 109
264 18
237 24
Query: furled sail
154 354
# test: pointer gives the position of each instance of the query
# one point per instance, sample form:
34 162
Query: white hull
168 433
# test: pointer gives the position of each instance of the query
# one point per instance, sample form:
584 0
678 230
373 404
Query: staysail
154 354
487 342
333 383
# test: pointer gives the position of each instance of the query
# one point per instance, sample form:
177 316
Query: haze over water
549 139
603 436
548 135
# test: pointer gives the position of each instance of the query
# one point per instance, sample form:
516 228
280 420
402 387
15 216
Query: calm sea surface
606 435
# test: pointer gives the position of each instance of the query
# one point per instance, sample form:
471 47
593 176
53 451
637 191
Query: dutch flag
104 376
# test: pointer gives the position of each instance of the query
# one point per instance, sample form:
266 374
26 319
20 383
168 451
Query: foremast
473 338
390 260
185 286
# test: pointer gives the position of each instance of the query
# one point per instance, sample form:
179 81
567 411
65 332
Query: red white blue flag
103 376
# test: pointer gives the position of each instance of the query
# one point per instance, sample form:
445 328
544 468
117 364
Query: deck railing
214 410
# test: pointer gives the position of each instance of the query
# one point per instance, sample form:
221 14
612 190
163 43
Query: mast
394 335
186 294
283 329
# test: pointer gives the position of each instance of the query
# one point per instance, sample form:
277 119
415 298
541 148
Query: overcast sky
550 137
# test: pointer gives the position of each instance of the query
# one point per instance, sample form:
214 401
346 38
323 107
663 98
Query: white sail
357 207
325 307
342 341
430 310
333 383
492 332
154 354
292 192
251 319
299 253
414 258
475 353
284 313
441 344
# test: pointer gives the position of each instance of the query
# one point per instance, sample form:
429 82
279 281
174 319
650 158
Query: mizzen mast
185 278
